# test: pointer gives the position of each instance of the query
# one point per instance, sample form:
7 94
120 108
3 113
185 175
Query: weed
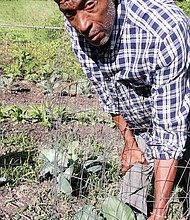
17 114
16 141
5 81
39 114
44 115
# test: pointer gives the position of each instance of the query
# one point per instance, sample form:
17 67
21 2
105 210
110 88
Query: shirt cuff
172 147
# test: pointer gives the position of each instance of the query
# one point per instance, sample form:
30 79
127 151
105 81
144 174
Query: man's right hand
131 153
130 156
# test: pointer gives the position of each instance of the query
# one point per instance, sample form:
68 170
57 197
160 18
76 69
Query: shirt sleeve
170 96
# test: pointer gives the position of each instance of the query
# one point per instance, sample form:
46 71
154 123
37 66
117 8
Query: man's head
94 19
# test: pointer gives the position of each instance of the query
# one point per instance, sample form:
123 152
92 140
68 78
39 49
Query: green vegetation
27 13
74 166
35 53
111 209
48 117
184 5
18 163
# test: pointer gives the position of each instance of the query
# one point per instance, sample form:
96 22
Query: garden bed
24 195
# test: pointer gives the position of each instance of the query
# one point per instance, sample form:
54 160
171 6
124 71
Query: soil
33 200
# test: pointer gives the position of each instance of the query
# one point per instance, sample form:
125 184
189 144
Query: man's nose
84 24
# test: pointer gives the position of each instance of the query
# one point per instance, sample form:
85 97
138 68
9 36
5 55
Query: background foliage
35 53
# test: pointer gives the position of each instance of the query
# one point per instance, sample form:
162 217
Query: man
136 53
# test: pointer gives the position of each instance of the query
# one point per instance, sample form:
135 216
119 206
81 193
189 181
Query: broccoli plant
66 165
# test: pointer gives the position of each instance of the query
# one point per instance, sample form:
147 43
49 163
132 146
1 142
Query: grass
28 12
18 163
185 6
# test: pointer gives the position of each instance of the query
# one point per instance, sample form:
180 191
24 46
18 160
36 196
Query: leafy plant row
43 114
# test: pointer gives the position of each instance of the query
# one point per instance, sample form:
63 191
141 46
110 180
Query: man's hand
131 155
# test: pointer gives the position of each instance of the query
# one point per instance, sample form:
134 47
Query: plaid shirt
142 72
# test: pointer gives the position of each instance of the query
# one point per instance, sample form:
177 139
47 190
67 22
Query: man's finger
146 163
124 170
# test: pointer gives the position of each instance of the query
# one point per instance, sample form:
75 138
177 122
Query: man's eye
68 14
89 4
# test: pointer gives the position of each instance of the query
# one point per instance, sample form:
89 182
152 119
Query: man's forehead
68 3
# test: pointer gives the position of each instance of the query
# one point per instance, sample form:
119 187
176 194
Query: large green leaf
47 154
63 184
45 168
62 159
93 165
90 162
87 212
72 147
94 169
114 209
68 172
53 156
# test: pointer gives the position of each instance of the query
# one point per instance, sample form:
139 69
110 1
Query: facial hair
110 24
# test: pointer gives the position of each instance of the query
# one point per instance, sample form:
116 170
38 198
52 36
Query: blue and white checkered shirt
142 72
